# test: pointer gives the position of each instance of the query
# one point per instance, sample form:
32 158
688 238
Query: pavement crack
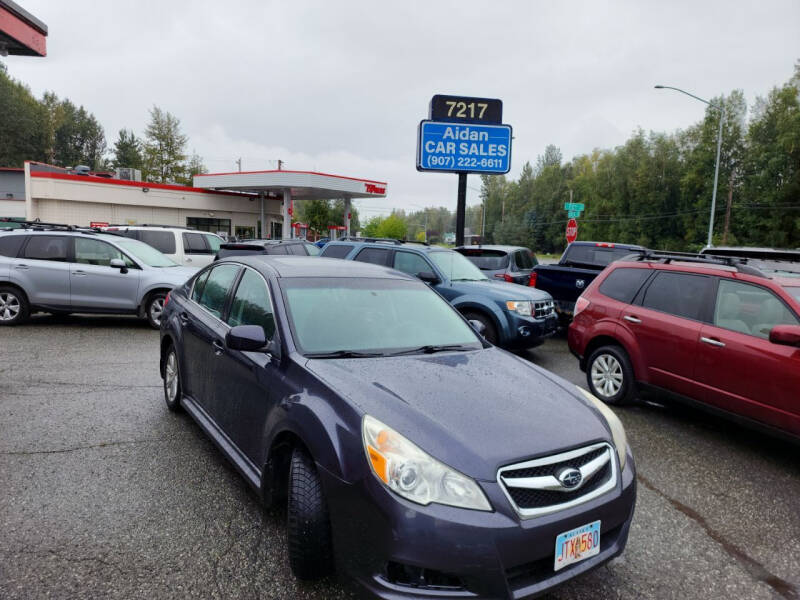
758 571
79 448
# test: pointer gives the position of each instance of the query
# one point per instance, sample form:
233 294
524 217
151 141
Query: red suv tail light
532 279
504 277
166 299
580 305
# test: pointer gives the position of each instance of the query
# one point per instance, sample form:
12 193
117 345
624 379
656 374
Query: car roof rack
353 238
666 257
44 226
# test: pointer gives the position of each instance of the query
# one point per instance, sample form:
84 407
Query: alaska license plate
577 544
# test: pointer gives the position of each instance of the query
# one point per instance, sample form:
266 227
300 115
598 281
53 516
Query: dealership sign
468 148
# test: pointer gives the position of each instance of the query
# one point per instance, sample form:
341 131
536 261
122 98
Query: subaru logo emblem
569 477
579 283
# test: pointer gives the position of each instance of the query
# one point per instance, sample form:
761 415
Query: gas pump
300 230
336 231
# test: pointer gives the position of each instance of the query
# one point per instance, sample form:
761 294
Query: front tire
14 307
489 330
609 375
308 523
155 308
172 381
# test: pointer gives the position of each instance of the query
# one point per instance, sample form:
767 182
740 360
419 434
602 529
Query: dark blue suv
513 316
409 453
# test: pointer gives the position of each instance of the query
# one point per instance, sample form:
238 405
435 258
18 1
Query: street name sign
463 147
574 214
573 206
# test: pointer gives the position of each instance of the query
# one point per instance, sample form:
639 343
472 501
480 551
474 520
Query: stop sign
572 231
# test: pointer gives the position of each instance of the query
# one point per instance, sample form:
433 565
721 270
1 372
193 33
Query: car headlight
522 307
617 430
412 473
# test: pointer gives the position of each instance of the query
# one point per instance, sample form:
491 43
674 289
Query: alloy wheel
171 377
9 306
156 308
606 375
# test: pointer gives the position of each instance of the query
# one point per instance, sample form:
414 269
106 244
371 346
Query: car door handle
79 273
188 259
712 342
218 347
184 318
22 267
632 319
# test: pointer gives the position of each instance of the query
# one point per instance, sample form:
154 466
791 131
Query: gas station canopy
295 185
20 32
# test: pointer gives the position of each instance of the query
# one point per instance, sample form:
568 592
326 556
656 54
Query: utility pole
728 213
239 163
280 164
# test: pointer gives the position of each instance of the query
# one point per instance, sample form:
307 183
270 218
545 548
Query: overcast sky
340 87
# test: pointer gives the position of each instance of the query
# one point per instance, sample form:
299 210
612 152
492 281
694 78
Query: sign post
464 135
572 231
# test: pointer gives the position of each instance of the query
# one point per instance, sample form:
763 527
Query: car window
163 241
410 263
146 253
523 260
375 256
365 314
276 249
749 309
296 249
679 294
10 244
216 288
622 284
794 291
47 247
486 259
199 284
312 249
251 304
97 252
195 243
595 255
336 250
455 267
213 242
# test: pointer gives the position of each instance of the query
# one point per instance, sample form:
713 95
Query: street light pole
721 110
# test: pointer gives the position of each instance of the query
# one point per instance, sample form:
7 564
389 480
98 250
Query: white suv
187 247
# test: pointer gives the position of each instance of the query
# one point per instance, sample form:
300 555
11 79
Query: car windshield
352 316
145 253
455 267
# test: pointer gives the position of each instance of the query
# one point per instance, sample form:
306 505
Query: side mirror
428 277
785 335
248 338
274 348
478 326
118 263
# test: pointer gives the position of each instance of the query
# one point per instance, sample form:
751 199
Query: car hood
475 411
500 291
171 275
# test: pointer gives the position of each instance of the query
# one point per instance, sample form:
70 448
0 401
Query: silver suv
60 269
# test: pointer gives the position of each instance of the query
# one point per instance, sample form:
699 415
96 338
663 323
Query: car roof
313 266
606 245
492 247
397 245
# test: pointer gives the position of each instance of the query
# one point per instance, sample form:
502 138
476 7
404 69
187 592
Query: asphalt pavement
106 494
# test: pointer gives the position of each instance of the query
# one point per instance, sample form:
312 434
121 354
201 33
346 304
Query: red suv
713 330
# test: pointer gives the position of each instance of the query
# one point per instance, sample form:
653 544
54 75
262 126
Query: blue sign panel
463 147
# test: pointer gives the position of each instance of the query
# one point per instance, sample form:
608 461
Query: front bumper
487 554
525 332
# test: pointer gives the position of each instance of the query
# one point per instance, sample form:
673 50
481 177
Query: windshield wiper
343 354
432 348
468 279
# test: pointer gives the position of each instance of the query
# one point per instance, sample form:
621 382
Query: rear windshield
595 255
486 260
239 250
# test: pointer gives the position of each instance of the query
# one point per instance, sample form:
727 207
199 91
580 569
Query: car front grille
534 489
543 308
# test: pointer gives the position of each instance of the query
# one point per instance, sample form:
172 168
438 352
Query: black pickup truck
579 265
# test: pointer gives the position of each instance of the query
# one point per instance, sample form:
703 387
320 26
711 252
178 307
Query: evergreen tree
164 148
128 150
